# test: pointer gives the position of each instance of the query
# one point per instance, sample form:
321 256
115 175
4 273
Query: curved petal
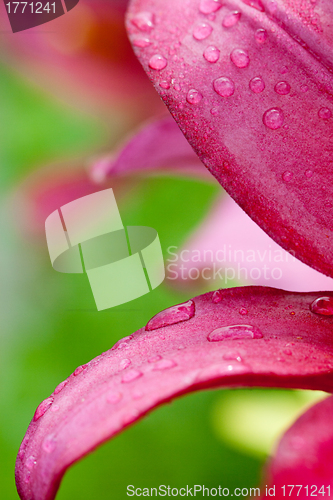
250 336
304 456
158 145
250 85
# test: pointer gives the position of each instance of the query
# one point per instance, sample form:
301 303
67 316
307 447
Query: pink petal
279 342
305 455
158 145
231 243
270 149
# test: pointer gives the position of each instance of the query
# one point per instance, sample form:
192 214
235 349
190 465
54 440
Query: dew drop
260 35
257 85
224 86
288 352
131 375
30 462
43 407
122 343
282 88
175 314
287 176
232 355
157 62
211 54
141 42
234 332
49 444
193 96
284 70
202 31
240 58
273 118
214 111
153 359
231 19
144 21
243 311
164 364
209 6
324 113
164 85
55 408
79 370
60 387
256 4
308 174
217 297
114 397
124 363
322 306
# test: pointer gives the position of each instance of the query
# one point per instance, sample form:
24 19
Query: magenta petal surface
158 145
279 342
263 124
305 455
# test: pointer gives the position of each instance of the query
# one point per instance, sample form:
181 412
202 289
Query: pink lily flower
254 102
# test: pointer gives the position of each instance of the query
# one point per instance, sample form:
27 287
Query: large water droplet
209 6
157 62
224 86
49 443
273 118
231 19
202 31
240 58
60 387
175 314
124 363
234 332
114 397
122 343
144 21
131 375
257 84
164 364
193 96
324 113
256 4
282 88
211 54
43 407
217 297
323 306
261 35
141 42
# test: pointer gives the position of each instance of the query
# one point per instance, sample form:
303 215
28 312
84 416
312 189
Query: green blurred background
49 324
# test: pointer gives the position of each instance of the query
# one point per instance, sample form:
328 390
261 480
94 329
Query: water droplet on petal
141 42
131 375
202 31
284 70
257 85
308 174
193 96
79 370
232 355
60 386
287 176
240 58
288 352
124 363
144 21
235 332
324 113
157 62
217 297
260 35
243 311
273 118
209 6
30 462
282 88
43 407
175 314
256 4
114 397
55 408
231 19
122 343
154 359
164 364
164 85
224 86
49 444
323 306
214 111
211 54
